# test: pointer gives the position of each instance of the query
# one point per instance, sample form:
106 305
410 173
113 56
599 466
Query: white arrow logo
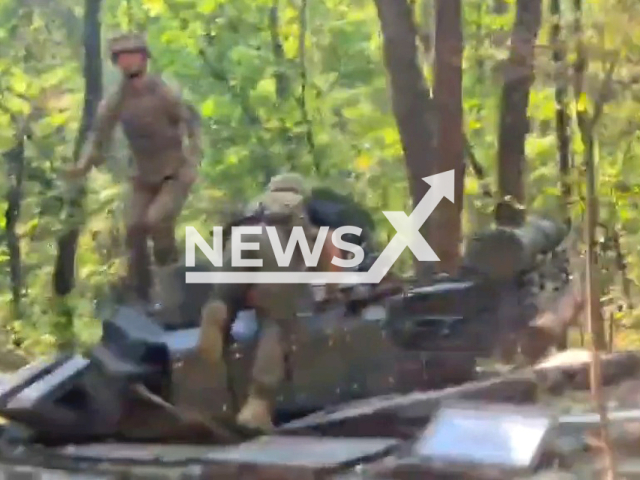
408 235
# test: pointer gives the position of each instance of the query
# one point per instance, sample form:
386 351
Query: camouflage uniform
283 207
154 119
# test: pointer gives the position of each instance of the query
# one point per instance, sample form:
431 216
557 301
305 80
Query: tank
130 385
380 348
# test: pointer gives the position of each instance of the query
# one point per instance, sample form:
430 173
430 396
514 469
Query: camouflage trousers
275 306
152 214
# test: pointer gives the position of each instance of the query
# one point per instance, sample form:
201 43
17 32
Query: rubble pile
400 436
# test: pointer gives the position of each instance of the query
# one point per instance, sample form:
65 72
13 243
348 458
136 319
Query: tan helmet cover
286 196
289 182
128 42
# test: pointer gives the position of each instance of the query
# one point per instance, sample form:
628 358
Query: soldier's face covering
132 64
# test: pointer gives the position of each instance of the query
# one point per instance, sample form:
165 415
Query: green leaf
207 109
208 6
583 103
154 7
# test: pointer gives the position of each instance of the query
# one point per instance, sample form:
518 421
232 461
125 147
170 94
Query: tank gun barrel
503 252
488 296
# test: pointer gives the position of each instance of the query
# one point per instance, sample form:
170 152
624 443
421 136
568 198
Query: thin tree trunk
447 218
596 322
586 126
563 122
514 122
283 84
595 317
14 159
621 265
64 273
302 97
280 74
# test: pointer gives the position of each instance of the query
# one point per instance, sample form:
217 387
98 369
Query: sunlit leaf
583 103
154 7
208 6
207 109
363 162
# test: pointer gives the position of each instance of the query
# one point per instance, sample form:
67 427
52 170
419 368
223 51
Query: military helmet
284 198
128 42
289 182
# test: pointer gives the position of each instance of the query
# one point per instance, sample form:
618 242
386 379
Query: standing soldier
154 119
282 206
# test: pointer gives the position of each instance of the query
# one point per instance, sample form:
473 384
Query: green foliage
280 85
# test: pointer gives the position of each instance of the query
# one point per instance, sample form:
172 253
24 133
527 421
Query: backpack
328 208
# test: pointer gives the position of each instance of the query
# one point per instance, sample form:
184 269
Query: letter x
408 228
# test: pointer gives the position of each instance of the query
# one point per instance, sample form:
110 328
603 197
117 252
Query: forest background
365 96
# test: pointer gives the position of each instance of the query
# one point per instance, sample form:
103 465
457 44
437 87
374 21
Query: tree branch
302 101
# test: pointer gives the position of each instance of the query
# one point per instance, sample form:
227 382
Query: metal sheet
50 384
117 366
28 375
133 324
485 434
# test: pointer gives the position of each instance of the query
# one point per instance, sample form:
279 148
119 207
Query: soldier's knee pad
215 314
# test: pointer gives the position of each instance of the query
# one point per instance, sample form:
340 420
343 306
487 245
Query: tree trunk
280 73
14 159
283 85
595 316
302 97
64 273
447 218
411 102
563 122
514 122
586 126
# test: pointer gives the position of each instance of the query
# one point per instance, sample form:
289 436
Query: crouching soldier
283 207
154 119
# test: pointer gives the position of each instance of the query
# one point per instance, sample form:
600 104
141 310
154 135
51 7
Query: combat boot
168 296
256 414
211 339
